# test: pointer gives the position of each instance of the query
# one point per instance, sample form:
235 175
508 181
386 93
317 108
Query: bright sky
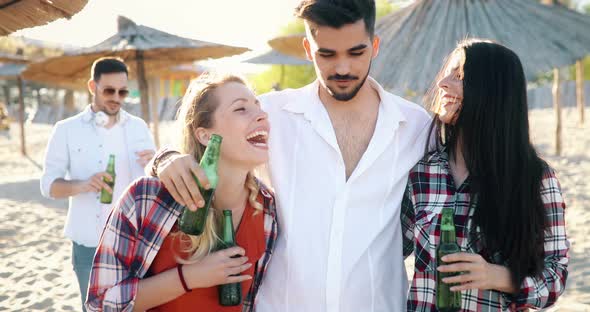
247 23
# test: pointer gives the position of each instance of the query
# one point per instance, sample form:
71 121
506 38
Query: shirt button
100 146
100 161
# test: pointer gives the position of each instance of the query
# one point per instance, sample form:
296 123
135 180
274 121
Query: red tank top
250 236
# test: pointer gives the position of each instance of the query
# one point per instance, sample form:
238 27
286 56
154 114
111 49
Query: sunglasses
111 91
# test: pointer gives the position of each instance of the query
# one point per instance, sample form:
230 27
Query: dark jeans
82 257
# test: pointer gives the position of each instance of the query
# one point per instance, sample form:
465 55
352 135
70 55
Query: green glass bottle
105 196
447 300
229 294
193 222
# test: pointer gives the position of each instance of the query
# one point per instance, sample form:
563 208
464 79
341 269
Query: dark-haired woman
508 206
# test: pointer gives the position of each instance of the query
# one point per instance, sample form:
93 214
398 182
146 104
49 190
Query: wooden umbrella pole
69 105
557 106
580 90
143 87
282 81
6 90
39 101
21 114
154 100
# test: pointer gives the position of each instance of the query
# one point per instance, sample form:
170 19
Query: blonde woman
143 262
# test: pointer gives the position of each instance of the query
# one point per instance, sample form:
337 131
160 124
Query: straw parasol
31 49
415 39
143 48
290 45
19 14
274 57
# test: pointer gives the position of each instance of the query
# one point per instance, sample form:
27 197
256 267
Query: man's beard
109 113
349 95
103 104
103 108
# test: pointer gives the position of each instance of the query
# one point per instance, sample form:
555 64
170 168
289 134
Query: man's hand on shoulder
178 172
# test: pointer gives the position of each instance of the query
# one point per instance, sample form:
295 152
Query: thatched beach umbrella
144 49
31 49
290 45
415 39
274 57
19 14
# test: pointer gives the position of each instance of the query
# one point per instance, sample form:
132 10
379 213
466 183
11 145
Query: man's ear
91 86
307 47
376 43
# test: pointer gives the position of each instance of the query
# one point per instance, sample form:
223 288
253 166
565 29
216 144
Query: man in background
77 155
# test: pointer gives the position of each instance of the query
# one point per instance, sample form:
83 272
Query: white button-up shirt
76 151
340 243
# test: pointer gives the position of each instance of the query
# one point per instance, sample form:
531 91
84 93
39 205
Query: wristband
181 277
159 158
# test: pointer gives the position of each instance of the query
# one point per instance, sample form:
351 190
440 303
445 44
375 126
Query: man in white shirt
77 155
340 152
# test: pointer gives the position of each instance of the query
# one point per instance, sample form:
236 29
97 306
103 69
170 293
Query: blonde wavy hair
197 109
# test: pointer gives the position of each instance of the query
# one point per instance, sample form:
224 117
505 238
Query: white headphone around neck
101 119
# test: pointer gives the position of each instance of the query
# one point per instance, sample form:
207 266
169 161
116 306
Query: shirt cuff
519 301
45 185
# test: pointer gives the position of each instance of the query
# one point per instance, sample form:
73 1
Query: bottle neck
447 227
228 236
210 161
111 164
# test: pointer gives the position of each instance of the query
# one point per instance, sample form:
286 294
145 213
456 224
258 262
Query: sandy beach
35 267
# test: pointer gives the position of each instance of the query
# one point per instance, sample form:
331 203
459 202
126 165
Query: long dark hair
504 169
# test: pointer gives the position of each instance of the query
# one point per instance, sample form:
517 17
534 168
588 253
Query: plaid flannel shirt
134 233
430 188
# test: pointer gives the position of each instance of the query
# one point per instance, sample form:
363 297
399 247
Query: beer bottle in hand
193 222
446 300
105 196
229 294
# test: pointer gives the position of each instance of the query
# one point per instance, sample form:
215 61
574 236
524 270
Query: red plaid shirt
430 188
134 233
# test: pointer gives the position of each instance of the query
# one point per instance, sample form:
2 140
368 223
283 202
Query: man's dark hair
107 65
337 13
